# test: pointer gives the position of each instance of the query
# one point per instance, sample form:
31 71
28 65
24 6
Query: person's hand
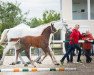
87 40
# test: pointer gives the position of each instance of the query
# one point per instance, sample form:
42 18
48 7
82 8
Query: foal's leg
45 52
18 46
8 47
17 53
53 60
28 55
51 51
43 58
39 55
52 55
21 59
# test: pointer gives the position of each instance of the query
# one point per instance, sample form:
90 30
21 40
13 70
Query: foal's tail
4 36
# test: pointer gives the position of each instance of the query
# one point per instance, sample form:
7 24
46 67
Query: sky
37 7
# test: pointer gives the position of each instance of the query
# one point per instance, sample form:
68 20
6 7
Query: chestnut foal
41 41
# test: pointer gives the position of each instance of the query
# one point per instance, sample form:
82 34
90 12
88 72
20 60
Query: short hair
76 25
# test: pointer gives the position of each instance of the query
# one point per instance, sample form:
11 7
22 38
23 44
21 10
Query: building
77 12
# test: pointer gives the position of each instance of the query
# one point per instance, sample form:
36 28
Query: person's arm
91 37
80 36
72 36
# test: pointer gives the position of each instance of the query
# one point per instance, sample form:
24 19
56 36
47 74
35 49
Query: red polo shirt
87 45
75 36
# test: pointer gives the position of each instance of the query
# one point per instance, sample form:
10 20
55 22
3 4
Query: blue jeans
71 49
66 49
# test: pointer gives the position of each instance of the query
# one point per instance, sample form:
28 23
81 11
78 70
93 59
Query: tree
51 15
10 15
48 16
35 22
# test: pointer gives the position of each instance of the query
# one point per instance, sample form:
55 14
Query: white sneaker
78 62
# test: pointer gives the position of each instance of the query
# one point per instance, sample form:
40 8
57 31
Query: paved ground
82 69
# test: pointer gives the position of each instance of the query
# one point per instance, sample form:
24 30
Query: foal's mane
47 30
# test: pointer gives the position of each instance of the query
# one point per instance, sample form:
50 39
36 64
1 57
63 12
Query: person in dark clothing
74 37
67 39
66 43
67 35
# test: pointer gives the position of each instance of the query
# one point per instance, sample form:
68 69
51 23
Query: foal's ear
52 24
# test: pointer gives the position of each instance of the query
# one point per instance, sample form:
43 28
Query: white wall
67 16
66 9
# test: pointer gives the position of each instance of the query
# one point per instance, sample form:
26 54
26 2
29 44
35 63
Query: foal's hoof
18 62
38 62
13 63
25 65
57 64
34 66
28 63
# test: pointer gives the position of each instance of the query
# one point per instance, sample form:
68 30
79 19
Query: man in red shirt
74 37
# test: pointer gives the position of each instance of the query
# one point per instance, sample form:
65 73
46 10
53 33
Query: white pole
88 5
30 52
62 32
61 17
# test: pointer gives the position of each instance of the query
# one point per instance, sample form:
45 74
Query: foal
41 41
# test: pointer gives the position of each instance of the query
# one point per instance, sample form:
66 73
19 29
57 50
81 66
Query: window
57 35
79 9
92 9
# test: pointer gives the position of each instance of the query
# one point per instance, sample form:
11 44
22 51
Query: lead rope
52 37
52 42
